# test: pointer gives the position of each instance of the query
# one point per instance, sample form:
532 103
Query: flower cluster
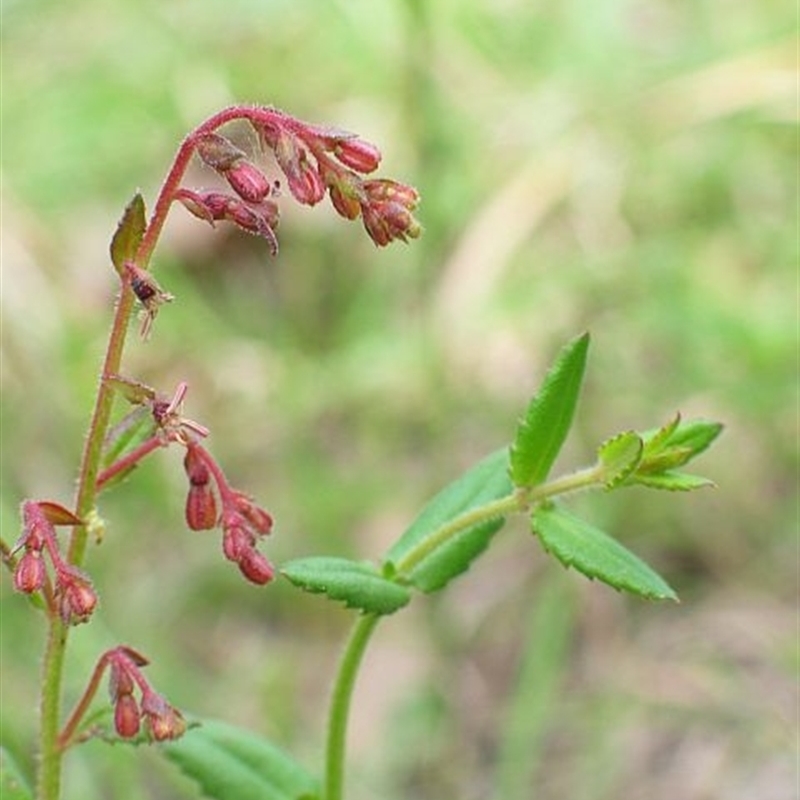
314 160
242 522
162 720
210 502
69 592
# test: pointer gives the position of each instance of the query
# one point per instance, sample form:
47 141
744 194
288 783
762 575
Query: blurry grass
623 167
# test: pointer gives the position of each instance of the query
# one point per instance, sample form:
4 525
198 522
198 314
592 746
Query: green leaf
136 426
13 785
542 431
430 570
696 435
231 763
673 481
618 457
676 443
357 584
129 233
594 553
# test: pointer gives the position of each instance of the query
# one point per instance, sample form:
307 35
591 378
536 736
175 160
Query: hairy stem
340 705
519 500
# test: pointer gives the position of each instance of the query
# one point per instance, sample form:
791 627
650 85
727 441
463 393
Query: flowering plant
448 535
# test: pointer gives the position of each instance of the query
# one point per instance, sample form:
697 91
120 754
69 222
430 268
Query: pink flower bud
126 716
201 508
305 181
260 519
195 467
255 567
30 573
357 154
236 538
248 181
76 597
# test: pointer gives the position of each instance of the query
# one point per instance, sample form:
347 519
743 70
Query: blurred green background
623 166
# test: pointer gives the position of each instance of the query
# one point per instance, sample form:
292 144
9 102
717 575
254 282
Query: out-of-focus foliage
625 167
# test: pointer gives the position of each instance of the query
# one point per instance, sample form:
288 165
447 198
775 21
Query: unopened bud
360 155
201 508
76 598
195 467
30 573
260 519
126 716
304 179
255 567
248 181
236 540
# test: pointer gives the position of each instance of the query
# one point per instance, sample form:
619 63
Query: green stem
519 500
340 705
48 783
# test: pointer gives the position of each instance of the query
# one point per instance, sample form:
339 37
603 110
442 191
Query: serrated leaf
357 584
576 543
656 439
486 481
618 457
672 481
13 785
129 233
542 431
230 763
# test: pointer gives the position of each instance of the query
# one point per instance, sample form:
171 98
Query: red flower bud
201 508
126 716
248 181
195 467
304 179
357 154
260 519
236 539
255 567
76 597
30 573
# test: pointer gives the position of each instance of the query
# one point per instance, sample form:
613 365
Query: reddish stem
66 735
129 460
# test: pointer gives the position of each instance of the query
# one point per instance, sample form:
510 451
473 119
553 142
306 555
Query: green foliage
231 763
430 564
13 785
594 553
671 446
541 432
618 457
129 233
356 583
